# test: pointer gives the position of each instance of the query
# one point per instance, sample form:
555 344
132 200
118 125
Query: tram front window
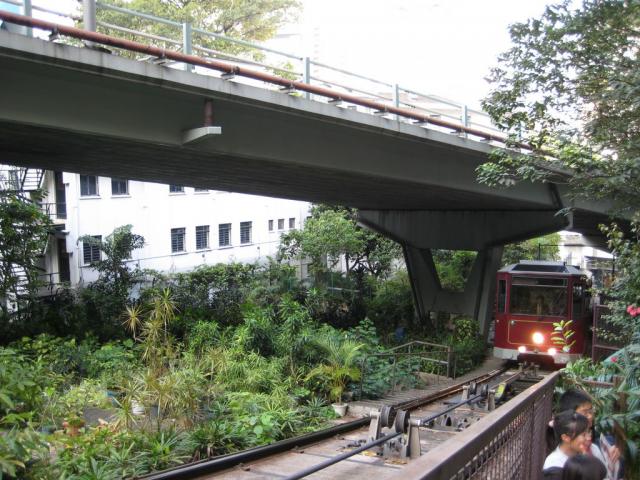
542 297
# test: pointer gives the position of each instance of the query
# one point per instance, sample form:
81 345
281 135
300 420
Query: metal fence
349 89
507 444
604 334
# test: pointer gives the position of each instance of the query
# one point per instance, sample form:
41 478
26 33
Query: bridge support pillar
483 231
476 300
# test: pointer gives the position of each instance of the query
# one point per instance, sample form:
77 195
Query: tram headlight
552 351
522 349
538 338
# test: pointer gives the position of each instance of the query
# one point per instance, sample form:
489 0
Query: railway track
376 446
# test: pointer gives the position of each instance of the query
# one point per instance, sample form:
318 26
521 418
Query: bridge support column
483 231
476 300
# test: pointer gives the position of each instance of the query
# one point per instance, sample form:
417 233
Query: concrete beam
462 230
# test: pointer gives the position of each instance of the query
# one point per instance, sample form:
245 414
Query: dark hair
572 399
569 423
583 467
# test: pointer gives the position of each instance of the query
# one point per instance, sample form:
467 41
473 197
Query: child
570 430
583 467
580 402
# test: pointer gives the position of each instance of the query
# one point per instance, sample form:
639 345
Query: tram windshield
543 297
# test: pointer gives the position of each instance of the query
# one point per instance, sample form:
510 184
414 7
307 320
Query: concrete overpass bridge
85 110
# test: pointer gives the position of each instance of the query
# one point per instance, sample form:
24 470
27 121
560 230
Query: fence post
464 117
395 97
89 15
27 11
449 358
306 74
187 43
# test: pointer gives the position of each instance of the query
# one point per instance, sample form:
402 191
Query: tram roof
542 266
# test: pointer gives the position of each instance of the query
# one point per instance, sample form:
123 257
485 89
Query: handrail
425 120
433 356
480 439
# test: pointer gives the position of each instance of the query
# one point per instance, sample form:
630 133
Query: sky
439 47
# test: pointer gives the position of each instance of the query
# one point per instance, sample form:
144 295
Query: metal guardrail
509 443
316 80
441 356
603 343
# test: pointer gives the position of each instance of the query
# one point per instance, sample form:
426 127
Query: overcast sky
441 47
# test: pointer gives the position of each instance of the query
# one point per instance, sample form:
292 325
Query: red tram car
531 296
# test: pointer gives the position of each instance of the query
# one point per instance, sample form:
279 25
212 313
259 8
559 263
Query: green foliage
332 233
453 267
213 292
541 248
569 88
562 334
392 303
104 299
245 19
19 446
24 231
339 367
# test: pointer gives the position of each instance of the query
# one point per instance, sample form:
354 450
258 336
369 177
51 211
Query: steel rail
225 462
423 421
224 67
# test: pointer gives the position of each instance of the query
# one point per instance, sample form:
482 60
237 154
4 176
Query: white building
574 251
183 227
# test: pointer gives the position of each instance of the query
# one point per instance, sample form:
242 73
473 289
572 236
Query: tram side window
502 295
540 297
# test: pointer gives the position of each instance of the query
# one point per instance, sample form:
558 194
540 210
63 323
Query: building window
292 223
224 234
201 190
119 186
245 232
176 189
281 224
202 237
91 252
177 240
271 225
88 185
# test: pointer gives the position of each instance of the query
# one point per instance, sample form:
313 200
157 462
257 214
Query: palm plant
339 367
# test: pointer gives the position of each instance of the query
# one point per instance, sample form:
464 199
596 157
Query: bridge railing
347 89
508 443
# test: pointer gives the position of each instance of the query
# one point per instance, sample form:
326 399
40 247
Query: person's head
583 467
570 429
577 401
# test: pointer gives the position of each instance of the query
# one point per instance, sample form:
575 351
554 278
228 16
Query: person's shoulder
555 459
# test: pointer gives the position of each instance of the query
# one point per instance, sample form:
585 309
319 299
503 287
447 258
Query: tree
332 233
570 88
24 231
117 249
250 20
540 248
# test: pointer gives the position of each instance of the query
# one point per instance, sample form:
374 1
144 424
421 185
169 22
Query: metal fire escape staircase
21 182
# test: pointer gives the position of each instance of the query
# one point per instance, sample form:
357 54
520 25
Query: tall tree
24 230
117 248
332 233
570 88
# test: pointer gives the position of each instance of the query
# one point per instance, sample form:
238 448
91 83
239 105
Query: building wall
153 211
